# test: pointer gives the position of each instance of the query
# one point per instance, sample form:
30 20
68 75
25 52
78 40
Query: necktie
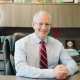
43 56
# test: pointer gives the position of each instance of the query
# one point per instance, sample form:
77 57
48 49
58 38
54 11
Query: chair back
8 52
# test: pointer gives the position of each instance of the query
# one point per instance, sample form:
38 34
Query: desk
7 77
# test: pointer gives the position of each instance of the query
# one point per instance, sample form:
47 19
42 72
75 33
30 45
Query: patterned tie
43 56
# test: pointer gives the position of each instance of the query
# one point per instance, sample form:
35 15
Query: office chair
8 52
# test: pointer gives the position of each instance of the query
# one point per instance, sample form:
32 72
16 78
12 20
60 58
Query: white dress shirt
27 57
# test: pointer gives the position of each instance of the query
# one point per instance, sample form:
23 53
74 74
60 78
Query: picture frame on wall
68 1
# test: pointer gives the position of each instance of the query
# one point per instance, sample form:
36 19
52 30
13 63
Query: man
27 52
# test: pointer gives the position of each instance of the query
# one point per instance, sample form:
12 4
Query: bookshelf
1 56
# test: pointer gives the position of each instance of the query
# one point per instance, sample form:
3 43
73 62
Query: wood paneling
26 13
9 15
21 14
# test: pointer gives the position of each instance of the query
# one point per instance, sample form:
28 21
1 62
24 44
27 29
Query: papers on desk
72 52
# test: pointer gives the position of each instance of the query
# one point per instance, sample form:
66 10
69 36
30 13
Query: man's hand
60 72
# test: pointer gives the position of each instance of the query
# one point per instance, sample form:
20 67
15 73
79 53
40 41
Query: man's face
42 26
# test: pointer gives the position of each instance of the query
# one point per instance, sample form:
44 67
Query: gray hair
41 12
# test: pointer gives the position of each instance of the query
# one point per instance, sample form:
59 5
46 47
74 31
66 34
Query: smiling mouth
44 31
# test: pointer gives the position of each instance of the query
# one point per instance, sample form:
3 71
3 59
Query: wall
61 34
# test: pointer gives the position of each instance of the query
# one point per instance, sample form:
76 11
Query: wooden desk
8 77
76 76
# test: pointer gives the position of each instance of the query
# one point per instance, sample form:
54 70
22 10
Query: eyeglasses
41 24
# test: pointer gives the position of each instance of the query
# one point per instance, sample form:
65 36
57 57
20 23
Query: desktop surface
76 76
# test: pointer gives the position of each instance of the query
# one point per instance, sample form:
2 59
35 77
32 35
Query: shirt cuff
48 73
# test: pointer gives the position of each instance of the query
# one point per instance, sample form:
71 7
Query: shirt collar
39 40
